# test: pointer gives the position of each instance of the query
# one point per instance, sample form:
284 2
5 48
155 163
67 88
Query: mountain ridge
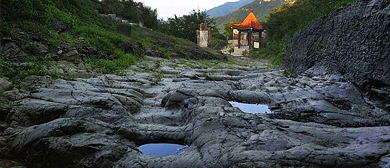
227 8
261 9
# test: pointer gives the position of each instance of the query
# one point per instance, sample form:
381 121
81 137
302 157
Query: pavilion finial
251 10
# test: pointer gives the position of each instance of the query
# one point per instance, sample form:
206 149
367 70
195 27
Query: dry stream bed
180 113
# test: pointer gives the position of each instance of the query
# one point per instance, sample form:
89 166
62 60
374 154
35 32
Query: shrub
218 44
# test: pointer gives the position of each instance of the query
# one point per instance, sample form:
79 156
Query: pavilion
251 26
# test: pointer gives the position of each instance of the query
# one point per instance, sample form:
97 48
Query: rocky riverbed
317 119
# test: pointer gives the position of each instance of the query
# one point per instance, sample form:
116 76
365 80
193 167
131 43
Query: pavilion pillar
106 9
260 36
239 39
250 39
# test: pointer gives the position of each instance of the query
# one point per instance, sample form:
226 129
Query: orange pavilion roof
249 22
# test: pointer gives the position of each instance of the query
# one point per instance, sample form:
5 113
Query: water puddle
162 149
252 108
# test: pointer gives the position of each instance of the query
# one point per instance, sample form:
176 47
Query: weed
287 72
121 73
159 76
190 65
231 50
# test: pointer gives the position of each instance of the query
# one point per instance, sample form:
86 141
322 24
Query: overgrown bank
283 22
38 34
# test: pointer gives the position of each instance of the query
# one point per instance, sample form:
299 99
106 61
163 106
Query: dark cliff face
353 41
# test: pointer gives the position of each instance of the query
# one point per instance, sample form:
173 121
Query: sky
168 8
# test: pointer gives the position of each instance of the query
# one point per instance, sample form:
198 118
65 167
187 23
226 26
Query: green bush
185 27
218 44
231 50
272 50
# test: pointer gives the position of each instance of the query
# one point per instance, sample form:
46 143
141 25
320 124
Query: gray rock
4 85
353 40
106 98
71 53
100 122
169 70
60 27
250 97
41 48
11 51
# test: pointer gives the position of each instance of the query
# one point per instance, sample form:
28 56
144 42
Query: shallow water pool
162 149
252 108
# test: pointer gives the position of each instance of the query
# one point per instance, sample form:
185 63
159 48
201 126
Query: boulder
71 53
4 85
133 48
11 51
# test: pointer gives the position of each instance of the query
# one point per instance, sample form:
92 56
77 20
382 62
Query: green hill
37 34
261 9
227 8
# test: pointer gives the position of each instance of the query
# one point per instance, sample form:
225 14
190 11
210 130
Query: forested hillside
260 7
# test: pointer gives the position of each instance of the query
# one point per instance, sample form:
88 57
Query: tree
186 26
133 12
228 30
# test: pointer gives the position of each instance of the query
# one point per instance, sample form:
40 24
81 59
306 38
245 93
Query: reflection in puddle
162 149
252 108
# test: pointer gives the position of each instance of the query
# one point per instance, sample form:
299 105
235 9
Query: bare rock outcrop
353 41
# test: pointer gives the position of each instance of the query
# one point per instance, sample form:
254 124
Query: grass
286 73
117 66
271 50
169 45
37 67
191 65
39 17
159 75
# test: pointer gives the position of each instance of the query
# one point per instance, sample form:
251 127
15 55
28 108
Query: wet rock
223 77
169 70
33 112
75 142
250 97
101 121
80 98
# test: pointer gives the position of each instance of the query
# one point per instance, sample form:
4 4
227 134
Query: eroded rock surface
101 122
353 41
